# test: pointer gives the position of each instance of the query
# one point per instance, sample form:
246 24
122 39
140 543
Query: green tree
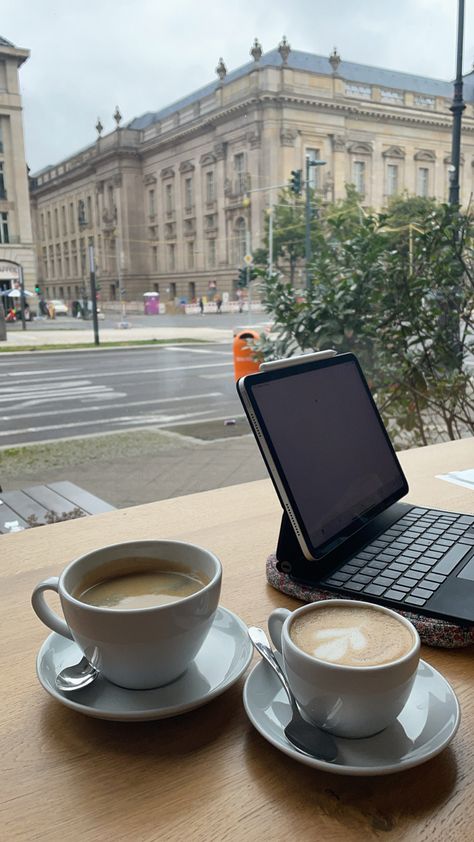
396 288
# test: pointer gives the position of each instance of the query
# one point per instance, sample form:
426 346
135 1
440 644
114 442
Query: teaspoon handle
261 644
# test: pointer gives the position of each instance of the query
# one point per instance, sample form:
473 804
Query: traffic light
38 289
242 279
296 181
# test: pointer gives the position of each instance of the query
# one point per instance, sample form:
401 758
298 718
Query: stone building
174 200
16 242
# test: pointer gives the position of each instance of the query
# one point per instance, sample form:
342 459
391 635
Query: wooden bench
33 506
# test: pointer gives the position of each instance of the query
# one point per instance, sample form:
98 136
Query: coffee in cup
351 634
138 583
139 611
351 665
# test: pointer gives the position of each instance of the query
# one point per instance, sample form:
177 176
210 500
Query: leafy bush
396 288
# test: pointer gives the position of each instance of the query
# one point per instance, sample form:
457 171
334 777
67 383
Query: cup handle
275 625
44 612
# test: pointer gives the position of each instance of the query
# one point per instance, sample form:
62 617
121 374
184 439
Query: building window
154 258
171 257
4 237
151 203
211 253
239 167
63 219
3 192
72 222
89 219
67 265
359 176
392 179
50 230
1 136
45 261
190 250
314 172
423 182
240 240
169 204
42 228
188 194
210 187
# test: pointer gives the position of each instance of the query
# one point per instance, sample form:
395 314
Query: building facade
173 201
16 241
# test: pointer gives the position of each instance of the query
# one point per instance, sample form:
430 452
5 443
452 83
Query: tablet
325 446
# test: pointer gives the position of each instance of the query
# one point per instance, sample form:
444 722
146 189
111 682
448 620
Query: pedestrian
201 306
219 303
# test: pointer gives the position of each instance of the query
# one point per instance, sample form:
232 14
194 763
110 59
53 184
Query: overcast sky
89 56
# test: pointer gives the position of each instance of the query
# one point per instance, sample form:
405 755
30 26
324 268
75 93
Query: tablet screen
330 447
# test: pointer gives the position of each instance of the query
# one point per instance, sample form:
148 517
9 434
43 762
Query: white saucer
426 725
222 659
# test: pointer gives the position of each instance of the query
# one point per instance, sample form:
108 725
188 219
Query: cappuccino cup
139 611
351 665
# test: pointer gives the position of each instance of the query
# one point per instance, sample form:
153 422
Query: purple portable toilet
151 302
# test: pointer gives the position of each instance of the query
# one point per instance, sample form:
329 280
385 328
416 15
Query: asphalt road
55 396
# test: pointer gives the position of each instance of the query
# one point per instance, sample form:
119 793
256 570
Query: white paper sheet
464 478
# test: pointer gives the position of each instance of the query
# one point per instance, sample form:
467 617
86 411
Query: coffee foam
351 636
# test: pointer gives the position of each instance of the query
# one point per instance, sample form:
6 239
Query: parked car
60 308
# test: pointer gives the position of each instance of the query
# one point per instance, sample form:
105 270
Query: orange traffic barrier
244 361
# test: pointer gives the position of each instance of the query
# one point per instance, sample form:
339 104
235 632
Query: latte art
351 636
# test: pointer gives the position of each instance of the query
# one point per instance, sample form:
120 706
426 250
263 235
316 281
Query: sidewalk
30 337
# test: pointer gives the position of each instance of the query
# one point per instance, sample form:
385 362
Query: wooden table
207 775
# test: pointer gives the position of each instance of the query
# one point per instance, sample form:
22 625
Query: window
89 219
1 136
392 179
50 230
42 228
211 253
72 223
190 250
169 204
59 262
151 203
110 198
423 182
63 219
154 258
67 265
56 222
210 187
3 192
239 166
314 172
188 194
44 255
171 257
4 238
240 240
359 176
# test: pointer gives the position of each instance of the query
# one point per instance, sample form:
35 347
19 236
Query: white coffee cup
136 648
346 700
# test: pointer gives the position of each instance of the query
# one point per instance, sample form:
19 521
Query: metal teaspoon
76 677
307 738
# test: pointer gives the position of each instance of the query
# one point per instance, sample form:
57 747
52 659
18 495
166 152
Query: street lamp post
457 107
309 164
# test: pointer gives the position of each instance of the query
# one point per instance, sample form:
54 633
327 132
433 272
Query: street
54 396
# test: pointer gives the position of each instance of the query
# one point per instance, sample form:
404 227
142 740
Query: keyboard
411 560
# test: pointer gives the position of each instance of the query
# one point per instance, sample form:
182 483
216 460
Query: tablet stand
290 558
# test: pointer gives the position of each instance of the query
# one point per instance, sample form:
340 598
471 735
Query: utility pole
457 109
93 294
309 164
